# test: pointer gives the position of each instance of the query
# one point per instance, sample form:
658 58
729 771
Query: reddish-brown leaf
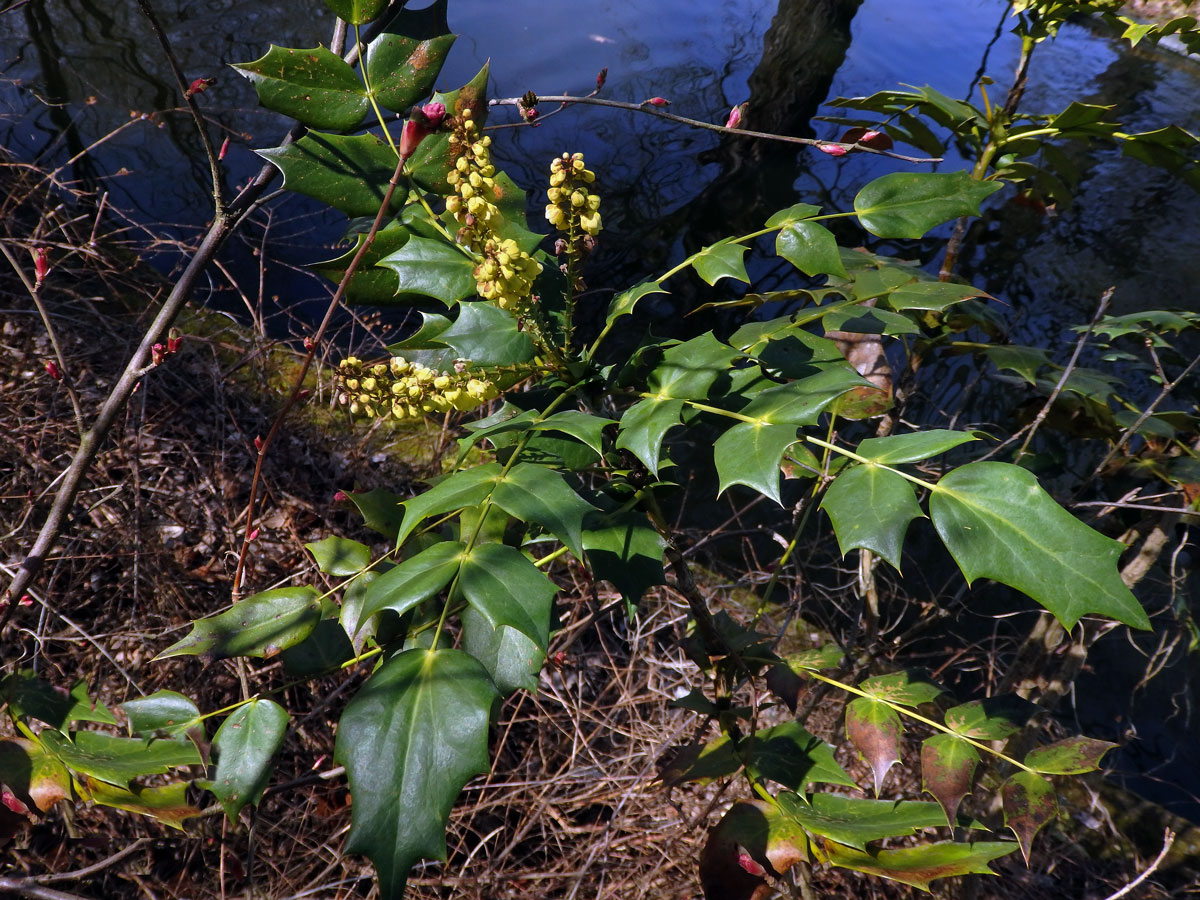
948 770
874 729
1029 803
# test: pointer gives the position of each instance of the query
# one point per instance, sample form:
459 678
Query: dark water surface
74 71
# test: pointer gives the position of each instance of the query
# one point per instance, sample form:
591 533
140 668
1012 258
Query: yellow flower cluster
570 198
406 390
505 273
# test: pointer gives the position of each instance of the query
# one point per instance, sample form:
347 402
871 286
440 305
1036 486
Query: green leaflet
998 523
871 507
534 493
413 581
315 87
162 714
508 590
856 822
723 259
262 625
246 744
918 865
31 697
908 204
466 487
811 248
339 556
356 12
410 739
432 268
750 453
626 550
643 427
350 173
118 760
404 61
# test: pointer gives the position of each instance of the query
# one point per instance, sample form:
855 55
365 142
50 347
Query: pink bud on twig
157 353
258 443
41 264
53 370
224 147
252 535
340 497
601 77
658 101
832 149
735 117
199 86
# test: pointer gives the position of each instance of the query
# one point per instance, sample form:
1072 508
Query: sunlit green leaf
316 87
488 336
35 777
918 865
466 487
29 696
356 12
117 760
501 583
856 822
908 204
533 493
404 60
413 581
643 427
511 659
721 260
347 172
166 803
246 744
162 714
432 268
811 248
750 453
1071 756
339 556
1029 803
908 687
801 402
871 507
371 284
897 449
934 295
793 213
262 625
990 719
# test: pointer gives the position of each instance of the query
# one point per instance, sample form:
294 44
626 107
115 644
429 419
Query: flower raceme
407 390
571 200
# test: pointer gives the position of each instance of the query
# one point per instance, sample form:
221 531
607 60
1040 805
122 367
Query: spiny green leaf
488 336
871 507
316 87
162 714
868 320
382 511
466 487
511 659
643 427
322 652
1029 803
920 865
371 284
896 449
1070 756
721 260
693 370
350 173
948 770
29 696
246 744
990 719
793 213
35 777
785 753
874 729
339 556
166 803
828 656
998 523
117 760
622 304
934 295
534 493
356 12
262 625
908 204
856 822
432 268
811 248
801 402
909 687
410 739
404 61
624 549
502 584
750 453
413 581
580 425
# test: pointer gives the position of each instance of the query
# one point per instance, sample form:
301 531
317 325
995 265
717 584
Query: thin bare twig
1168 841
103 864
27 888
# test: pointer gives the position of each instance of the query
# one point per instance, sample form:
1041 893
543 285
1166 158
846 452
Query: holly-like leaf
622 304
31 697
627 551
339 556
908 204
643 427
750 453
990 719
356 12
404 60
511 659
856 822
693 370
246 744
117 760
162 714
795 213
410 739
580 425
413 581
382 511
323 651
920 865
262 625
487 335
315 87
871 507
1029 803
36 778
752 840
466 487
371 284
829 656
786 753
432 268
1071 756
721 260
908 687
874 729
998 523
534 493
897 449
802 402
502 584
167 803
348 172
948 770
867 320
933 295
811 248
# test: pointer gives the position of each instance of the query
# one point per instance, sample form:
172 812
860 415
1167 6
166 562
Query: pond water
74 73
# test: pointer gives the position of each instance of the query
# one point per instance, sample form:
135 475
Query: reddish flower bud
876 140
735 118
258 443
224 147
252 535
832 149
530 114
173 344
601 77
414 132
157 353
9 800
658 101
199 86
52 370
309 343
340 497
434 112
749 864
25 600
41 264
304 394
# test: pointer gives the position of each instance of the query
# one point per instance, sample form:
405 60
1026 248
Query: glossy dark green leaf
31 697
692 370
785 753
721 260
948 770
1029 803
623 304
413 581
410 739
323 651
811 248
348 172
339 556
998 523
488 336
404 61
990 719
917 446
874 729
512 660
580 425
802 402
856 822
371 284
750 453
626 550
908 204
246 744
501 583
356 12
1071 756
920 865
466 487
934 295
117 760
162 714
262 625
315 87
795 213
871 507
868 320
435 156
432 268
908 687
533 493
382 511
643 427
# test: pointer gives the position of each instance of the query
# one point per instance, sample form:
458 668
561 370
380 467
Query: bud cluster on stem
407 390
